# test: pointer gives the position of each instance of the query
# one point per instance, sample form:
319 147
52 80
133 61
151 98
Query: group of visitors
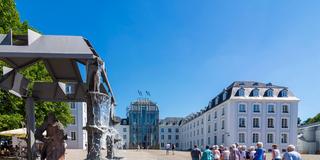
241 152
169 147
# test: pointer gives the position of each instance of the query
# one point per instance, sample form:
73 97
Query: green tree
12 114
313 119
10 18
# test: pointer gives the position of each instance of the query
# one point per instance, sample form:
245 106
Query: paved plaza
75 154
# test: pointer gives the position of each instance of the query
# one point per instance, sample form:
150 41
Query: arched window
241 92
269 93
224 96
255 92
284 93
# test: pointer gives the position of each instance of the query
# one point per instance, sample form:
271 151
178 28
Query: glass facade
144 124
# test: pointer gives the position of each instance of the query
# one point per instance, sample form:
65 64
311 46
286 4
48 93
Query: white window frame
245 107
273 137
75 120
288 105
274 108
274 124
222 138
270 91
260 108
224 96
75 136
73 104
70 88
286 139
222 124
255 90
162 145
287 122
215 139
253 137
259 122
244 137
216 101
245 122
241 92
284 91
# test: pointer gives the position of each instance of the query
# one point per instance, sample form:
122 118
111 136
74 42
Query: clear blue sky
186 51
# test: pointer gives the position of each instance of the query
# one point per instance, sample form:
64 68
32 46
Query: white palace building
77 136
245 113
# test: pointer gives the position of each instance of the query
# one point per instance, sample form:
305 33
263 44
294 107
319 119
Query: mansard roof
232 91
171 121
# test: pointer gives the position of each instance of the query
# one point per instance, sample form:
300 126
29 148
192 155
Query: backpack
195 153
247 155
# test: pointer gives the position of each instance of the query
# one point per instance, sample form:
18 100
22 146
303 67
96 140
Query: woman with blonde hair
276 155
260 153
252 152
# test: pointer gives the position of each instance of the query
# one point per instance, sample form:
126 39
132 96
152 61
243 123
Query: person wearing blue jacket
260 153
207 154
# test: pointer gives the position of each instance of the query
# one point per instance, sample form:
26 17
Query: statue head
50 118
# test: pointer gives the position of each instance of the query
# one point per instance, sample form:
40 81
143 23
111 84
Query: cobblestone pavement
77 154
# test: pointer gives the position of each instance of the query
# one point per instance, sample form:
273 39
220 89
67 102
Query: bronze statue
54 144
97 75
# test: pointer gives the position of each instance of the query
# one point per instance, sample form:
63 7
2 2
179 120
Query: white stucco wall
231 125
80 114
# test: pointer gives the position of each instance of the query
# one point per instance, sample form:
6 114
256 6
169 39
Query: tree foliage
12 113
313 119
10 18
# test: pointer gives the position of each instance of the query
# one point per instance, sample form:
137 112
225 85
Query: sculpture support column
95 126
31 126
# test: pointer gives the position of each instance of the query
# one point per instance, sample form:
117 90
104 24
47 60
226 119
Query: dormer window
255 92
241 92
217 101
269 93
284 93
224 96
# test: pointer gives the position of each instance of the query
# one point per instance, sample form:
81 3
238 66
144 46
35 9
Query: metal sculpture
54 141
61 55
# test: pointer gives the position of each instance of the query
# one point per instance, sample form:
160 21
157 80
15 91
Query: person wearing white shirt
276 155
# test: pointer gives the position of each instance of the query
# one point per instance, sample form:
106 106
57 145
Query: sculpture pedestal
98 116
